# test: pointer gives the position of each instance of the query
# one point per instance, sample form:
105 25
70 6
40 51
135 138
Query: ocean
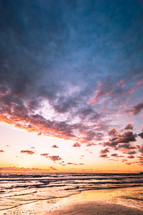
20 189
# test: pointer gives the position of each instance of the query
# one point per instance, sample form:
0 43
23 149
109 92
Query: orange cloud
112 132
76 144
2 151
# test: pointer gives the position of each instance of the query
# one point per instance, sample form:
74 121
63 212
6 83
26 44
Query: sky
71 86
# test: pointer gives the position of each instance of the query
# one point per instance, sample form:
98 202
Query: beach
99 209
92 202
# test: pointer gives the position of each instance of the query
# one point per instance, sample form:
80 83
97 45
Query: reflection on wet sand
115 201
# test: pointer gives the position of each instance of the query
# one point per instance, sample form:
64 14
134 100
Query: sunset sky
71 85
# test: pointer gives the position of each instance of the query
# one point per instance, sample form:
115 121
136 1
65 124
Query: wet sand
96 209
103 202
80 209
127 201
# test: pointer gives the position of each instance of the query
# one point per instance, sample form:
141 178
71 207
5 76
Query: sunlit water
16 190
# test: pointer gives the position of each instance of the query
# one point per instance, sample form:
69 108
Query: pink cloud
52 157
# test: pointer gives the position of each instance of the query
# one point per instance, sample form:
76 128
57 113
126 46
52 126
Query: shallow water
18 190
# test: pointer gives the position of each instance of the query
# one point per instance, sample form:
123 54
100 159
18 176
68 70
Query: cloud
55 146
124 160
129 163
1 150
131 152
52 157
27 152
52 168
127 149
104 151
76 144
131 156
141 134
140 160
141 149
45 155
125 137
91 144
75 164
55 158
136 109
114 155
129 127
103 155
70 163
112 132
81 164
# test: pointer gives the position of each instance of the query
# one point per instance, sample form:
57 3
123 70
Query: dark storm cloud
81 58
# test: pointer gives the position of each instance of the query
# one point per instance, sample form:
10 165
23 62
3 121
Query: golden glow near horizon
68 158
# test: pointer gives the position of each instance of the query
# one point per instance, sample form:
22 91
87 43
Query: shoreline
109 201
